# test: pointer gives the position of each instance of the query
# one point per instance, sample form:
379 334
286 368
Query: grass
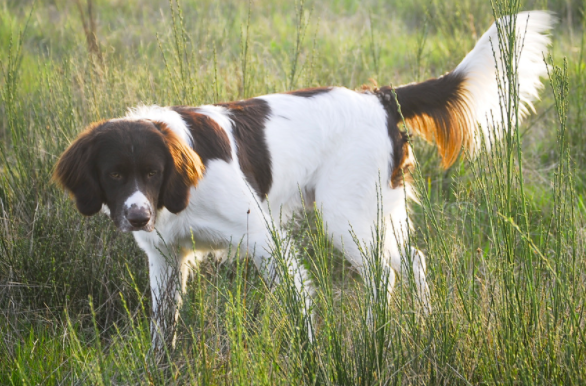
504 234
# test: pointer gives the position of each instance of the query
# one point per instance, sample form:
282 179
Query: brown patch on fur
73 173
309 92
372 87
249 117
210 141
437 110
402 162
67 170
187 162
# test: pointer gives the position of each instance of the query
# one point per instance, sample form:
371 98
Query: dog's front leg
165 288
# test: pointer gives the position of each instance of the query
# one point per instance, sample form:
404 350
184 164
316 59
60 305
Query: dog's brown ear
185 171
75 172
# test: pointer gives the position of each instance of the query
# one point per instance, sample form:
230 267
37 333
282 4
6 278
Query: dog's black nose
138 217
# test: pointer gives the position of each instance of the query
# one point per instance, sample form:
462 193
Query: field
504 233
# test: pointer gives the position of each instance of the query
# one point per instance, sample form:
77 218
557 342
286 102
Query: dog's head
135 167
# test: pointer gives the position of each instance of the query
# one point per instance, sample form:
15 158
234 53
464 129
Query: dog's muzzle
138 217
137 214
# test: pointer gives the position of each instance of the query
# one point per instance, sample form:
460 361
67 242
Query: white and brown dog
206 174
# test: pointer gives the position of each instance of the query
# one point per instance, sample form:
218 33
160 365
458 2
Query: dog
206 177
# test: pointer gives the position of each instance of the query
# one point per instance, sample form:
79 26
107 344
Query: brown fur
402 161
309 92
187 162
210 141
74 173
437 110
249 118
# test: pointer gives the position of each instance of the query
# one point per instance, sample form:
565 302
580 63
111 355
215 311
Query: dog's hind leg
355 222
419 268
355 235
405 259
410 264
349 213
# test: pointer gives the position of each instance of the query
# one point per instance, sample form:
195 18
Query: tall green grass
503 233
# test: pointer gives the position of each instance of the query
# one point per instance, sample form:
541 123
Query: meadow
504 233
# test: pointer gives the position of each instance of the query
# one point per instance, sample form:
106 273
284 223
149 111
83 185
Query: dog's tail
460 108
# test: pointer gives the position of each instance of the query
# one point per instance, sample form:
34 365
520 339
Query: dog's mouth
128 227
147 228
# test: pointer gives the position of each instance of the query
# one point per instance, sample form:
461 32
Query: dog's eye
116 175
152 173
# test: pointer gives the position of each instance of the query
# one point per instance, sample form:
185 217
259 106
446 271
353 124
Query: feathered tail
450 109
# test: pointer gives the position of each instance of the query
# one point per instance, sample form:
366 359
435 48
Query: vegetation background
504 234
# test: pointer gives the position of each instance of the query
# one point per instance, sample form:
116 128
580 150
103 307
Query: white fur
165 115
484 69
137 199
332 147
